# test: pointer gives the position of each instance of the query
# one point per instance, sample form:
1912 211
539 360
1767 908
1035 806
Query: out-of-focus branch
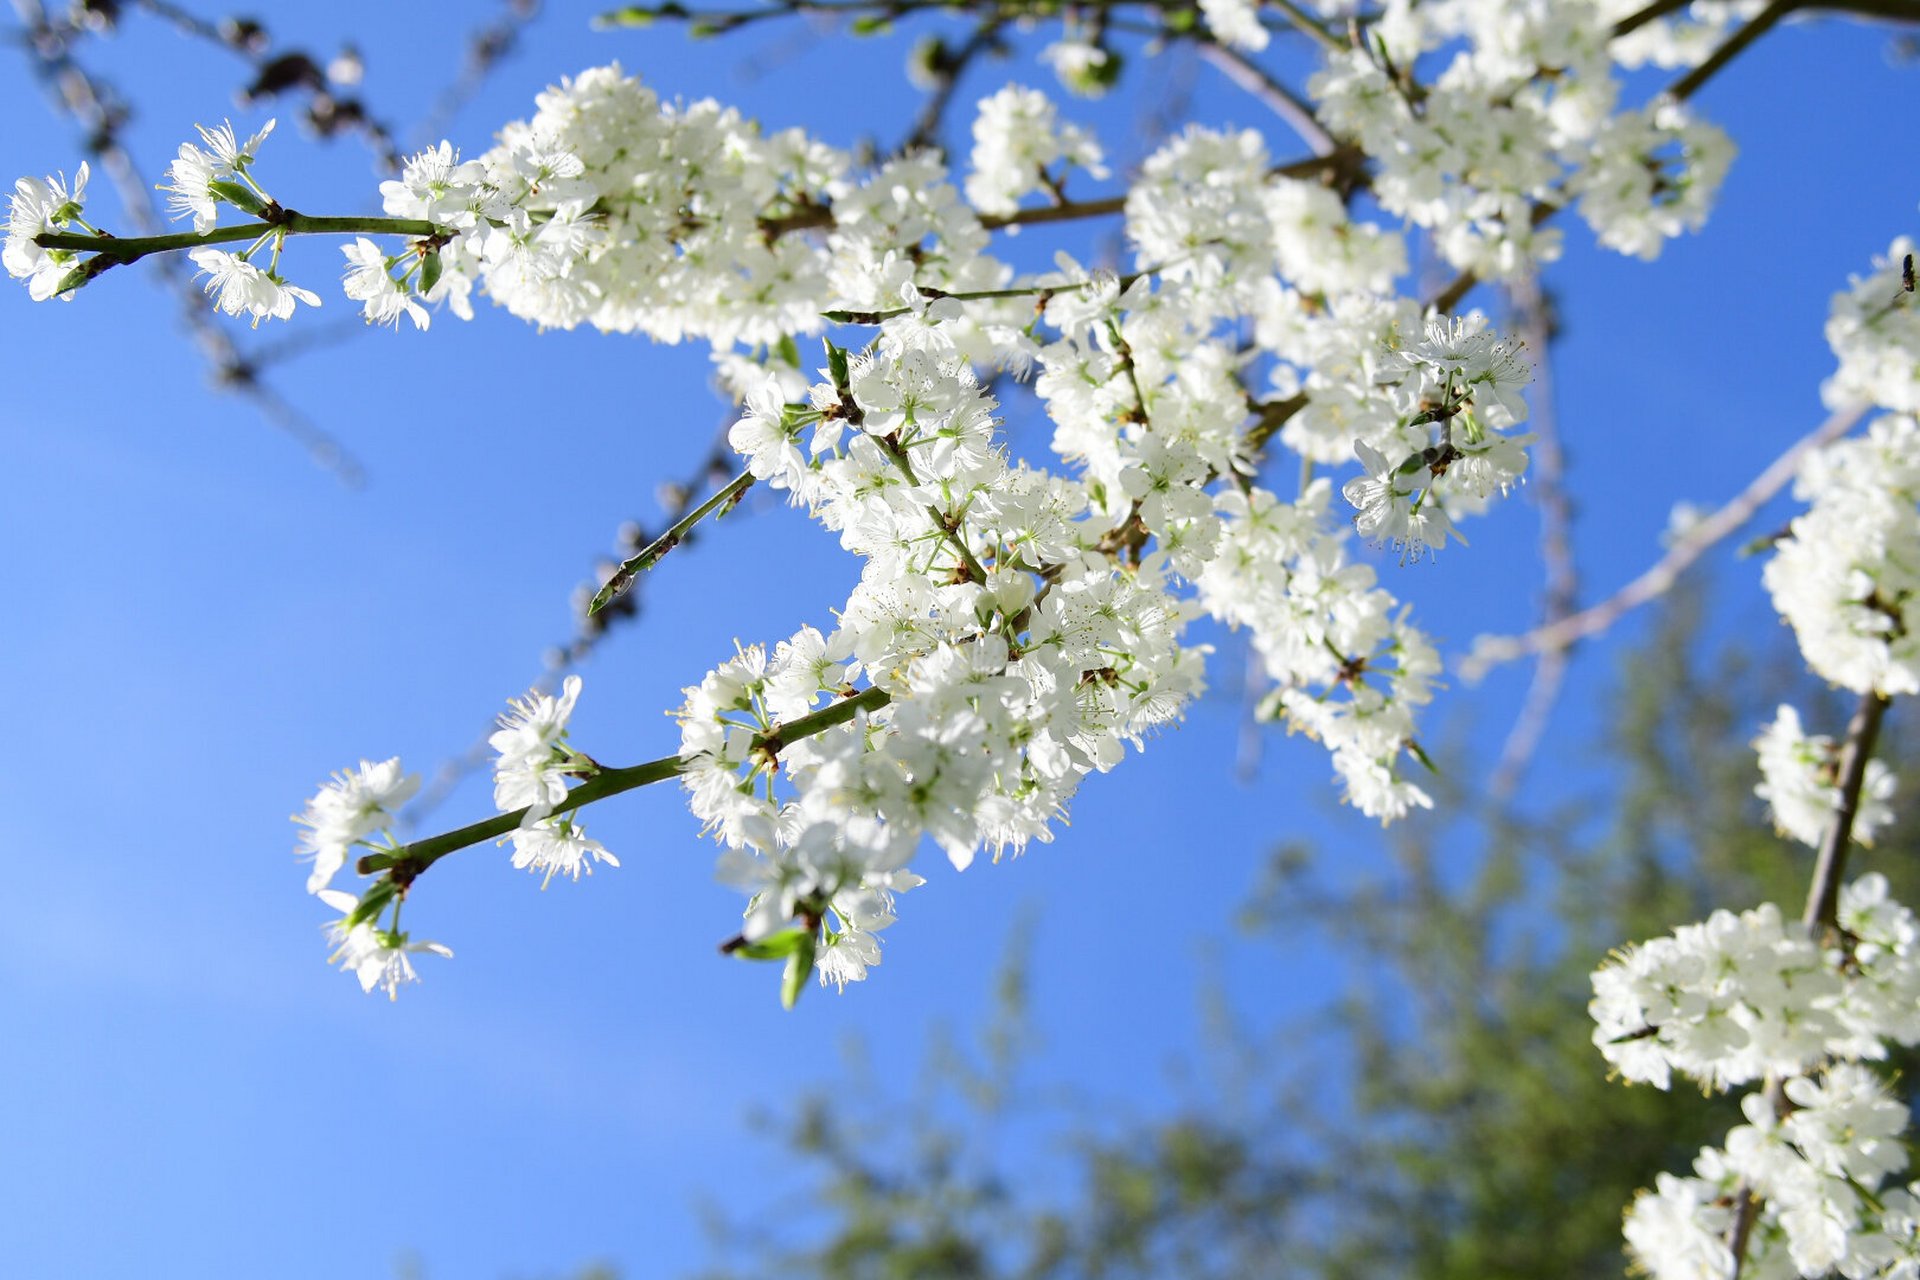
279 72
1276 97
487 47
619 613
1547 485
94 107
1490 651
1689 84
951 66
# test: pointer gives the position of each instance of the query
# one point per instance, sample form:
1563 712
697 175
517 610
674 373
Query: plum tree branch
1490 651
406 863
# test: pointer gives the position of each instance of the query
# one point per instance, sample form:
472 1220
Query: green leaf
639 15
871 25
74 279
775 946
240 197
799 969
837 366
788 350
372 903
430 271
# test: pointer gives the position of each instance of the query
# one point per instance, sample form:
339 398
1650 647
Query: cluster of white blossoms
1874 330
1350 668
348 811
1798 1190
1483 150
1800 783
1730 1000
1017 626
1845 576
1745 997
1020 626
356 809
1014 657
531 772
1684 38
1021 146
40 205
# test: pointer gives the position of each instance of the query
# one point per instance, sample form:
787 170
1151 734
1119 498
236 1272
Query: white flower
348 809
193 172
532 770
240 288
40 205
375 956
557 845
1236 22
1392 511
436 187
1017 140
383 299
1799 783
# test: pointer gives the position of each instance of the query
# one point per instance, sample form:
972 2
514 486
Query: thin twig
1276 97
1689 84
933 112
1490 651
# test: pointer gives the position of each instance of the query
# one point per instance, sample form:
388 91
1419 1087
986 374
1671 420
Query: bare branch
1547 485
1490 651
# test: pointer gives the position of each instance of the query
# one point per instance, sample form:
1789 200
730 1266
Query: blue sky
203 625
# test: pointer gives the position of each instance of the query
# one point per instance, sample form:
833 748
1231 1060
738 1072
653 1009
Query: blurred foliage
1448 1120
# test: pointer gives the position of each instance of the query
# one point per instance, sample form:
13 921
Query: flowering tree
1020 624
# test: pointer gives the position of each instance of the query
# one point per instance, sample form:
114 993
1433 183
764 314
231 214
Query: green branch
408 861
650 555
122 250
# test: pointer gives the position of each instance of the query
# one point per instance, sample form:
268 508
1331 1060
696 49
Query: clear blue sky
202 625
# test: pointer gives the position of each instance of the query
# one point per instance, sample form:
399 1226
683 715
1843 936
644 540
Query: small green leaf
837 366
430 271
788 350
639 15
775 946
242 198
73 279
632 15
372 903
871 25
799 970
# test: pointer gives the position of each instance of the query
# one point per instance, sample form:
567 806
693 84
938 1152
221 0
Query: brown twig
1820 915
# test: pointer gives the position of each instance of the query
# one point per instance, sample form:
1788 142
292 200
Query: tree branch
1686 86
1863 731
1490 651
1823 900
407 862
1546 484
1276 97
